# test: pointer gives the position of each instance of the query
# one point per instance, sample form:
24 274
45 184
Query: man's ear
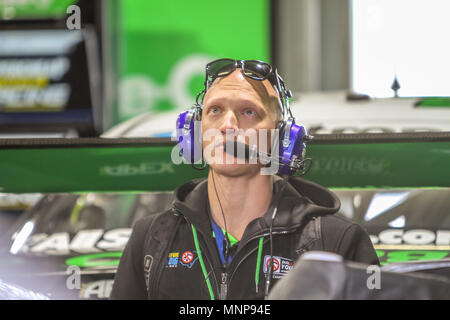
279 124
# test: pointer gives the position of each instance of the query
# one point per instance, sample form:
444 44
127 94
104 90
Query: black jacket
182 272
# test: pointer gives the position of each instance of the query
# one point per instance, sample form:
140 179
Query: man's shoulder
348 239
335 228
337 221
147 223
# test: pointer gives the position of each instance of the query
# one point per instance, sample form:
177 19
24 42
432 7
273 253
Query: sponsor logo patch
188 259
173 259
281 266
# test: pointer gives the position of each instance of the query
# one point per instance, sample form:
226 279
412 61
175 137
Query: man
234 234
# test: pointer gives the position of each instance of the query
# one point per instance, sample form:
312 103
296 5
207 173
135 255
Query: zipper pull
224 286
226 249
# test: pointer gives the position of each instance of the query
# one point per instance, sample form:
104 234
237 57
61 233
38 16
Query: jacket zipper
224 286
225 277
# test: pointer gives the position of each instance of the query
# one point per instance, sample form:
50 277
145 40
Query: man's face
237 104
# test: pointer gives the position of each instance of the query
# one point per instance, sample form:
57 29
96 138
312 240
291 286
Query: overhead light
22 237
383 202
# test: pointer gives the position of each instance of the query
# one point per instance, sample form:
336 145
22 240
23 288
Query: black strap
310 237
160 235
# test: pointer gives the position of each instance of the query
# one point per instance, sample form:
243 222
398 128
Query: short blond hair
262 88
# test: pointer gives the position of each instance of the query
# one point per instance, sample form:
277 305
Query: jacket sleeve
355 245
129 281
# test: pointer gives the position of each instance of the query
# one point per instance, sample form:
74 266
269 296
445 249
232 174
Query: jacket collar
191 201
300 200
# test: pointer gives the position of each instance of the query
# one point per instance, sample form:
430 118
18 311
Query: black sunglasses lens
257 70
220 68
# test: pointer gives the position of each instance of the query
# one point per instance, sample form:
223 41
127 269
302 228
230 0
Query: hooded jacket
191 267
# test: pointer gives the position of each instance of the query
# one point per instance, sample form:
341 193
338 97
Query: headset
291 147
292 137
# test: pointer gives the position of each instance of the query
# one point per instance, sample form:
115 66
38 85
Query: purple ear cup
292 147
188 132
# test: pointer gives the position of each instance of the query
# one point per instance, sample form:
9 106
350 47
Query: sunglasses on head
253 69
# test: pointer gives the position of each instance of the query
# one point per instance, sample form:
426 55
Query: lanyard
202 264
219 241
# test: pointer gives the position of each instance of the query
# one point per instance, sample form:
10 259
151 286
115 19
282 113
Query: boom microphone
244 151
241 150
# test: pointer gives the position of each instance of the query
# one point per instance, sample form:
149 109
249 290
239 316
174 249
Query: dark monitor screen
46 81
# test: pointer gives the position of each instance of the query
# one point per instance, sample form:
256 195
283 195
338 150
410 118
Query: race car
51 219
66 236
68 245
13 205
403 224
322 113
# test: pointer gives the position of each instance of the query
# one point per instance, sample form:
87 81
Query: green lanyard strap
205 273
202 264
258 262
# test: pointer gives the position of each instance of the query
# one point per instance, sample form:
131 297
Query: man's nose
230 122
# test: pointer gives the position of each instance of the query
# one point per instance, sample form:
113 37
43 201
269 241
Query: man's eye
250 112
214 110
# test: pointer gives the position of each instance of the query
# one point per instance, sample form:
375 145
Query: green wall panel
165 45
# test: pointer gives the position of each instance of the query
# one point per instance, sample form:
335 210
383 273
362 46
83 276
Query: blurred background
126 68
79 71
